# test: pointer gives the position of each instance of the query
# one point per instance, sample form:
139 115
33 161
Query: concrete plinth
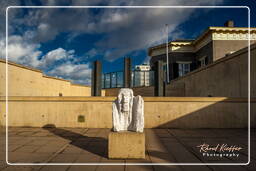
126 145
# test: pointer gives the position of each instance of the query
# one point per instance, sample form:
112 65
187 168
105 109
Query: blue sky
64 42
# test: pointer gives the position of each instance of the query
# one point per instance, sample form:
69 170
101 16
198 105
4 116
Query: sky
63 42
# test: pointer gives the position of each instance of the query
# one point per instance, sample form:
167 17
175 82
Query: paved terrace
65 145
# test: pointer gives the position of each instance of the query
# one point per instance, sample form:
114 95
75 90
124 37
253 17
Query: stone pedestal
126 145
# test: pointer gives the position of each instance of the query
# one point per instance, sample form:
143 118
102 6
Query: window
184 68
164 66
202 61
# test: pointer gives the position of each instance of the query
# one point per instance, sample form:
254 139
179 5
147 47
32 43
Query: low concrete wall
226 77
143 91
167 112
26 81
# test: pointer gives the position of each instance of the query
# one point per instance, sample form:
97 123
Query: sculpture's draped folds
128 112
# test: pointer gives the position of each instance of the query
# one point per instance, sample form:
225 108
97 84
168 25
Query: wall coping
20 66
113 88
111 99
58 98
47 76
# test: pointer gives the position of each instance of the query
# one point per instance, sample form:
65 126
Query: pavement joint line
97 133
147 154
146 148
19 146
85 130
170 133
192 151
167 147
241 153
160 139
189 149
218 152
4 167
89 143
56 153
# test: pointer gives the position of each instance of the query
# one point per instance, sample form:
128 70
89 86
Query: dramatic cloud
28 54
122 31
78 73
126 30
21 51
55 55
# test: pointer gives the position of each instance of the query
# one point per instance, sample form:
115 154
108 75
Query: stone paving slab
81 145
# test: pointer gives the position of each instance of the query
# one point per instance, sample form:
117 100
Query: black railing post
127 72
96 79
158 79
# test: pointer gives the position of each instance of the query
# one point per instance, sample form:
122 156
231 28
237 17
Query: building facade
213 44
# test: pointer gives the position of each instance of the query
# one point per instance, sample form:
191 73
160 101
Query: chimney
229 23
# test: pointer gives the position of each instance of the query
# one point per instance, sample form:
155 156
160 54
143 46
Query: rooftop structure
213 44
143 67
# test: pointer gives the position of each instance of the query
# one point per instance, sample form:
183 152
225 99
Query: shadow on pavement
98 146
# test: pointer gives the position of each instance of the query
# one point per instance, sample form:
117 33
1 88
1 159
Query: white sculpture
128 112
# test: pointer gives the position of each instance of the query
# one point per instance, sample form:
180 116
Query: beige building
213 44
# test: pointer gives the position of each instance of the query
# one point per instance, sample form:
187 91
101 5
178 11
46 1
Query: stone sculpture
128 112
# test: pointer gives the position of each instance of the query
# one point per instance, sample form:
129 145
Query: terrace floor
78 145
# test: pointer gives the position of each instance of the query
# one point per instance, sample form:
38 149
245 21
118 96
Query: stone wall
226 77
26 81
96 112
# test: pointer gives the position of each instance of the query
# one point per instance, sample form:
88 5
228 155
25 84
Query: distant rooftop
228 26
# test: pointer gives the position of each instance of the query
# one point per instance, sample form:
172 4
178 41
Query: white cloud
126 30
45 32
78 73
50 22
28 54
55 55
21 51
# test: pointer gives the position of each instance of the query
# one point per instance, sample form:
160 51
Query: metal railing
138 78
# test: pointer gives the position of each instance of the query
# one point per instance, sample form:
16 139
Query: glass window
113 80
102 81
107 80
137 78
202 61
119 79
184 68
151 78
